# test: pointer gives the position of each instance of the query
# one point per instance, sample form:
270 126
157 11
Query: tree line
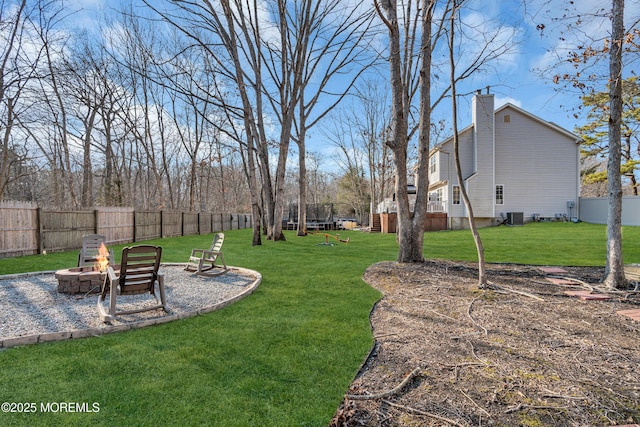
177 105
88 117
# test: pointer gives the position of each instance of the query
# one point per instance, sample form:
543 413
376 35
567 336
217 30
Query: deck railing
389 206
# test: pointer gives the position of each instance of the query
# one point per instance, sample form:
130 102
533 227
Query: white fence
595 210
389 206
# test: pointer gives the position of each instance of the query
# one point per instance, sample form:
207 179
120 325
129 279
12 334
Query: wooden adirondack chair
203 261
138 275
91 249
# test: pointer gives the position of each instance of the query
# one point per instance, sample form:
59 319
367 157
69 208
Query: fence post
40 231
134 226
162 224
95 221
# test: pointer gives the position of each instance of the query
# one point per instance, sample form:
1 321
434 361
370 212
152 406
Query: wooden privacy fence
26 229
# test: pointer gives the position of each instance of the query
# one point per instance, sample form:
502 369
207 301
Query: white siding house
512 162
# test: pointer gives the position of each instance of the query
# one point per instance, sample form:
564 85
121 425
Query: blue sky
523 76
522 79
517 77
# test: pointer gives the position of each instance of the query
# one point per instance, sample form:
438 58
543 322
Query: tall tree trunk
255 137
87 167
275 233
302 184
302 174
410 224
482 279
108 185
10 44
614 270
251 171
371 165
63 129
399 136
5 160
424 137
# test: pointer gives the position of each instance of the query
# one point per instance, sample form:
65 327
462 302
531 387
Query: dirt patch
523 354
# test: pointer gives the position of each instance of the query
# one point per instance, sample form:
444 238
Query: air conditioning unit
515 218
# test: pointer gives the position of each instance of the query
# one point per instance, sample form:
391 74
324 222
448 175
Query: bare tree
235 26
280 63
614 269
25 77
92 110
409 79
374 125
144 135
12 82
330 45
358 129
191 112
91 99
352 159
57 104
482 279
581 70
320 184
417 18
94 100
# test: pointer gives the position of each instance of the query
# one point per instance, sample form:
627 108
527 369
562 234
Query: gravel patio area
33 311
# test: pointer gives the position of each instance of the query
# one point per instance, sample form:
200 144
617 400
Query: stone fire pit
81 280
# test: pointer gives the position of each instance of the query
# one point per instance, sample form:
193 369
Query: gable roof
533 117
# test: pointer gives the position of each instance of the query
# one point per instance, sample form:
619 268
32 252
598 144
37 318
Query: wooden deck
312 226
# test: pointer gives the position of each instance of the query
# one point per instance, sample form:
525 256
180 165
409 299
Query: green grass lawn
283 356
562 243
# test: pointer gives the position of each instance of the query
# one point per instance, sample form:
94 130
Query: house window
456 194
507 118
499 194
437 196
432 164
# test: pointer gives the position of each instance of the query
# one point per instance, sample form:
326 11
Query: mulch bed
528 352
